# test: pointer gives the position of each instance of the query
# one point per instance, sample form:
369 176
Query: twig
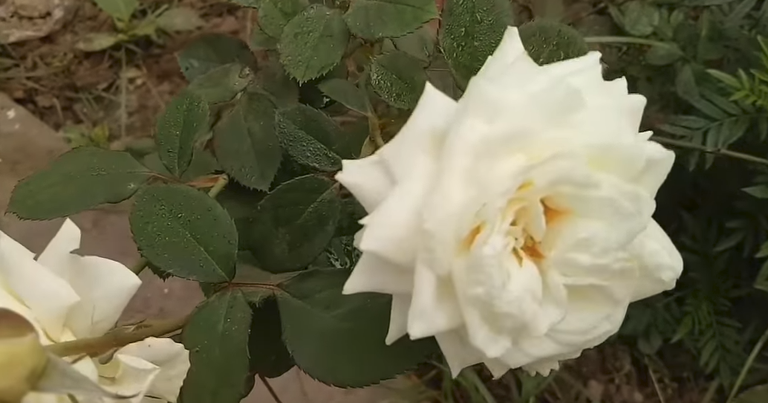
375 130
116 338
269 389
151 86
710 395
219 186
123 94
625 39
747 365
710 150
655 382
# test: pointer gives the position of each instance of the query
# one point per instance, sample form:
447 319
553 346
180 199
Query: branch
710 150
116 338
375 130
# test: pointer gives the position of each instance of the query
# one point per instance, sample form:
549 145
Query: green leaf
763 252
246 143
727 79
761 281
273 80
549 42
471 32
638 18
757 394
339 339
259 39
248 3
375 19
351 214
532 385
217 339
294 223
398 79
313 42
419 44
659 55
213 50
689 121
185 233
439 74
320 127
78 180
759 191
203 163
346 93
685 84
118 9
185 118
706 2
275 14
269 357
736 17
304 148
222 83
179 19
97 41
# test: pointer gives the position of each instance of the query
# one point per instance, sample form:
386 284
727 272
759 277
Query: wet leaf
185 233
79 180
313 42
375 19
398 79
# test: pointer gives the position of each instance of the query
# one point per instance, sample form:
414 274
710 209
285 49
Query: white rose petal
66 296
515 225
172 360
103 286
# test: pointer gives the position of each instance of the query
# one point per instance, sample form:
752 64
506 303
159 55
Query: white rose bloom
66 297
515 224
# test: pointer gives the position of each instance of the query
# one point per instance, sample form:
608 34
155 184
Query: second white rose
515 225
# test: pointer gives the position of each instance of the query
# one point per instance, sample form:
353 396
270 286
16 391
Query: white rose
66 296
515 224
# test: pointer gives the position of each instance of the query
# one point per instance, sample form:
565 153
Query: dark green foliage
294 223
217 337
338 339
185 233
704 83
549 42
78 180
472 29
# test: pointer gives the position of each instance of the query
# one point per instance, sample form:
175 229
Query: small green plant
129 27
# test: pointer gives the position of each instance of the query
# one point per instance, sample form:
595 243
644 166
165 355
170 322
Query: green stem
219 186
472 378
624 39
139 266
269 389
710 395
710 150
748 365
116 338
375 130
655 382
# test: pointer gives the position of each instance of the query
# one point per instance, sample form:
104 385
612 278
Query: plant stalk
747 365
116 338
710 150
269 389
